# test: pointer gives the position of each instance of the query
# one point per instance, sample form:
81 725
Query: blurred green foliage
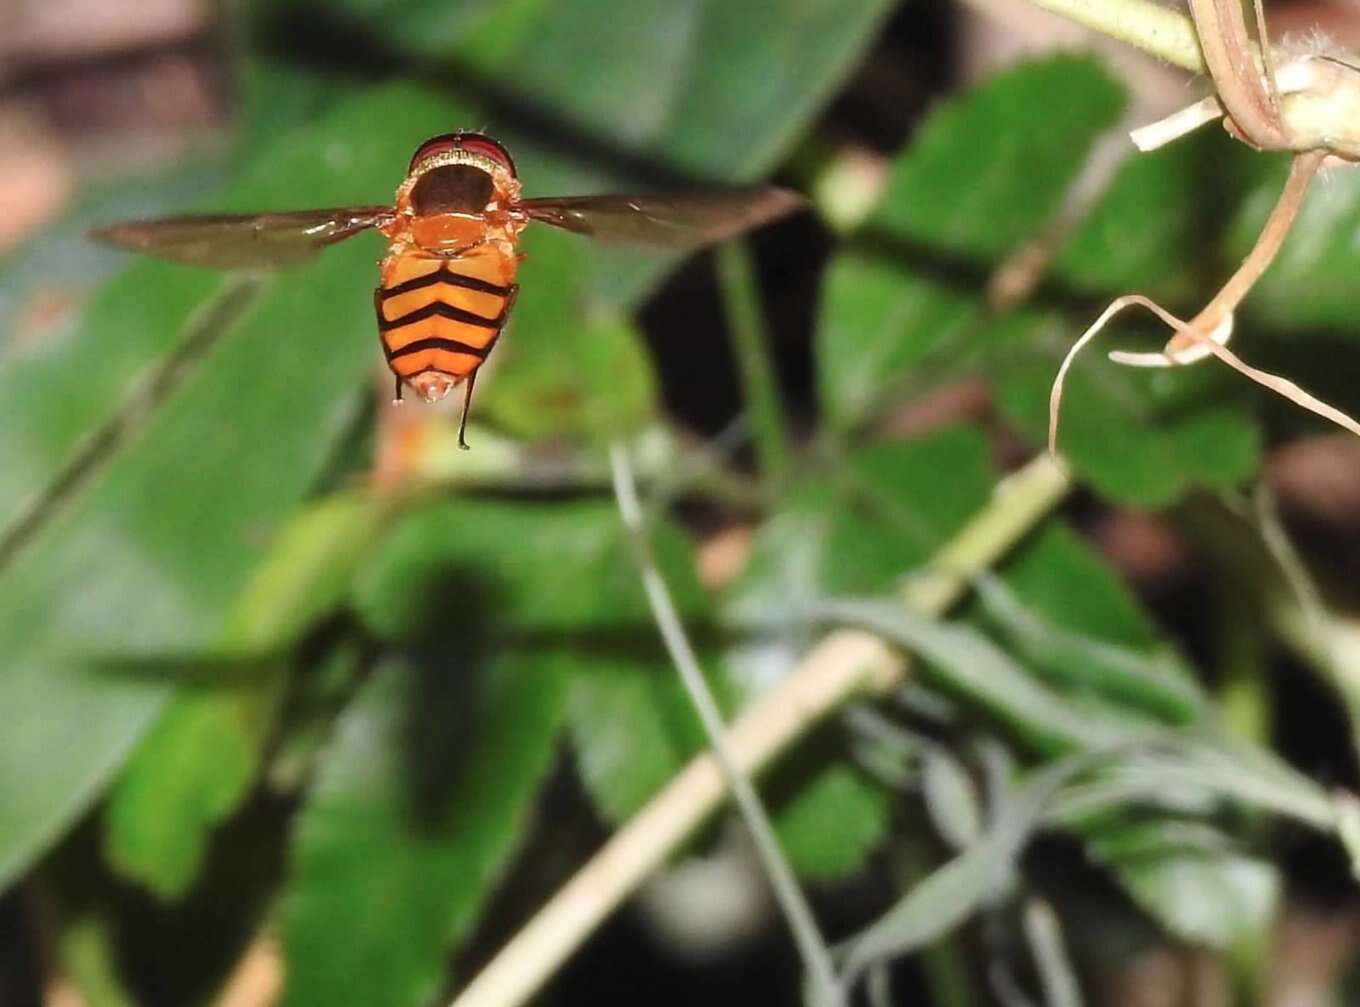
200 600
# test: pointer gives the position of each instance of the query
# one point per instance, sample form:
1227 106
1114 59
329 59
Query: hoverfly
447 280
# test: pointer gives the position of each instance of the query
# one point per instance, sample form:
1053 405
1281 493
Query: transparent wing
667 220
242 241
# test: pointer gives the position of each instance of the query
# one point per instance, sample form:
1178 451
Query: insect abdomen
442 316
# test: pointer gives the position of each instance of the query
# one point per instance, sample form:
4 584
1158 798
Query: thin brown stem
1267 57
1238 78
1277 227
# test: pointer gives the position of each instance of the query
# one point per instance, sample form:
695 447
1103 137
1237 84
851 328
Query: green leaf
198 761
1134 839
953 892
61 257
1152 681
938 904
1186 775
420 28
986 171
715 89
523 564
1145 233
1139 437
632 724
1064 580
87 954
61 398
630 721
951 797
1212 898
968 663
882 511
1068 616
567 368
878 323
632 729
394 854
835 820
190 771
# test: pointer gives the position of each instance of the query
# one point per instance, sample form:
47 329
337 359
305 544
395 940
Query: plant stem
1018 504
811 946
1043 932
1233 63
1163 33
750 338
843 664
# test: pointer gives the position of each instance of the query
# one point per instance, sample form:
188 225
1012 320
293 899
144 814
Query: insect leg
467 404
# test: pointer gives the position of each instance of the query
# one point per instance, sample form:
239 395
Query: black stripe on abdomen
445 275
440 343
439 309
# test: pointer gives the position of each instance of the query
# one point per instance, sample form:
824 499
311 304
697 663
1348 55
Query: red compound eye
475 143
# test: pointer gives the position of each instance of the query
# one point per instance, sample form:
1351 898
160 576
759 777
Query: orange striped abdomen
439 317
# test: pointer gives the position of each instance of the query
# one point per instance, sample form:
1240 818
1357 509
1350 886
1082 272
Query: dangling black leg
467 404
396 394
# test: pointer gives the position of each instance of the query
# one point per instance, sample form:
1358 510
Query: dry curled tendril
1304 99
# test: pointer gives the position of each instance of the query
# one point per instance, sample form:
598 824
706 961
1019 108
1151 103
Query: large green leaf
522 568
989 168
422 797
651 77
195 765
541 597
632 729
1064 579
1214 900
60 260
985 172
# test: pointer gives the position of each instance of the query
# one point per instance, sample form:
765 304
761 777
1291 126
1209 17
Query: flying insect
447 280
